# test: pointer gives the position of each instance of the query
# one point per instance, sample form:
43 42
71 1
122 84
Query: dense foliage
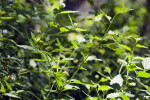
50 53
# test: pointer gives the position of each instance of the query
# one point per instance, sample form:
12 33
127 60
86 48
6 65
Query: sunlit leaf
124 97
147 87
143 74
6 17
74 44
2 88
59 44
32 63
131 67
104 88
80 29
80 67
27 47
70 87
56 5
122 9
50 10
93 58
113 95
60 78
111 32
66 12
11 95
125 47
146 63
117 79
8 86
63 29
89 21
141 46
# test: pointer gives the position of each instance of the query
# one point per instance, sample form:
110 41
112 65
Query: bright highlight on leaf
93 58
117 79
113 95
67 12
146 63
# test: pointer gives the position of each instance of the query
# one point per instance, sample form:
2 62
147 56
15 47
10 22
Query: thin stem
122 65
98 94
50 90
68 60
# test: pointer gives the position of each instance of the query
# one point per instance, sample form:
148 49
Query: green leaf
111 32
27 47
103 13
95 37
89 21
113 95
53 24
50 10
122 61
59 44
147 87
56 5
93 58
70 87
57 67
104 79
112 99
60 78
82 68
8 86
74 44
141 46
146 63
67 12
79 82
2 88
63 29
99 17
92 98
104 88
19 91
124 97
6 17
2 38
80 29
131 67
58 50
143 74
11 95
125 47
70 20
38 60
122 9
42 29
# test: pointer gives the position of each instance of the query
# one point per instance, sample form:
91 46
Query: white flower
117 79
146 63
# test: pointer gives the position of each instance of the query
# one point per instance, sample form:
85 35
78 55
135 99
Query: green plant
67 60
